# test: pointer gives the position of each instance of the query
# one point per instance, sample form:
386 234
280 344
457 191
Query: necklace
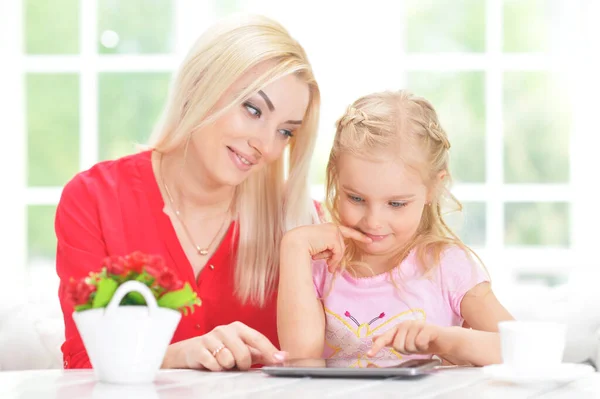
200 250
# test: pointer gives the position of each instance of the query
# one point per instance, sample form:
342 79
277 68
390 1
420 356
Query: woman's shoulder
108 175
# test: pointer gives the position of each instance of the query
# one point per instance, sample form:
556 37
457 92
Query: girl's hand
323 241
414 337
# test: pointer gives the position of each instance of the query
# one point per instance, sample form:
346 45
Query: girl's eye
254 111
396 204
354 198
286 133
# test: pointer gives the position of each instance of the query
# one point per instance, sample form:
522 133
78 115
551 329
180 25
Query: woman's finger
225 358
232 341
199 356
253 339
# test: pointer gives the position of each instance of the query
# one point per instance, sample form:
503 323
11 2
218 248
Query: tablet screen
354 363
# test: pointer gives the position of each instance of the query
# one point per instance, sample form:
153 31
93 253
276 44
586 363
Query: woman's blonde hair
404 127
265 204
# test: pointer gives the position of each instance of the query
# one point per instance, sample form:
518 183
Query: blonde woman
209 196
403 284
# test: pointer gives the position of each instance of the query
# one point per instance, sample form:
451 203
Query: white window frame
193 16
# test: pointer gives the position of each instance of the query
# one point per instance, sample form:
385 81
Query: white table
446 384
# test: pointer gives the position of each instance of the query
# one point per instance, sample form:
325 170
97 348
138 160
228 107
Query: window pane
226 7
51 26
469 224
41 240
445 26
543 279
537 120
537 224
52 128
527 25
321 156
135 26
129 106
459 101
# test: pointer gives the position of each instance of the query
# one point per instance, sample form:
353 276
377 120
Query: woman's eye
396 204
354 198
254 111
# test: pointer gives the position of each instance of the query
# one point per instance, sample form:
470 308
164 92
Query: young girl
388 280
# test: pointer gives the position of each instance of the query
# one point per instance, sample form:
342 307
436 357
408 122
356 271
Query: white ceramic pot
127 344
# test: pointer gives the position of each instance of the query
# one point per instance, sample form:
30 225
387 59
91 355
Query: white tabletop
446 384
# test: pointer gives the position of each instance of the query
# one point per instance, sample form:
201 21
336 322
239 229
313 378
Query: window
512 82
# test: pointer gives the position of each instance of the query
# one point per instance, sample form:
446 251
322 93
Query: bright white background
515 82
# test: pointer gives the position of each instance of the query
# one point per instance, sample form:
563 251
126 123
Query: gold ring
219 349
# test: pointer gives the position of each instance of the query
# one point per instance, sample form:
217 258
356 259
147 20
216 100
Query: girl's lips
376 237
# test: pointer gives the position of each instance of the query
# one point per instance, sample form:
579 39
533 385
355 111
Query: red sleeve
320 212
80 250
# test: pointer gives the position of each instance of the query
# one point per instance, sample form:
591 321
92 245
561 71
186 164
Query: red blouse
116 208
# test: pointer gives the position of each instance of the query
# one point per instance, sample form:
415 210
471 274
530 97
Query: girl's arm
481 309
300 315
480 345
478 348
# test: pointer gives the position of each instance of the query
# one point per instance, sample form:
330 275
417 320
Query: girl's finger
354 234
399 343
425 338
411 335
381 341
322 255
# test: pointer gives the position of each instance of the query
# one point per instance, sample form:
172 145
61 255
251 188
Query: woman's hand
225 347
323 241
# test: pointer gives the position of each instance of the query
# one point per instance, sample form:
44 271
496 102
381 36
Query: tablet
329 368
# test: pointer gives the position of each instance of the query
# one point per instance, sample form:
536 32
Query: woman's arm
80 250
300 315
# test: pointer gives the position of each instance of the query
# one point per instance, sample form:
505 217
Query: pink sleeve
319 269
459 272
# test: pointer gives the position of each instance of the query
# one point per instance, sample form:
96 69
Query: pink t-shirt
356 309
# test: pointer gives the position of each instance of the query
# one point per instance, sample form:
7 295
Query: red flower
155 266
115 265
80 291
136 261
169 281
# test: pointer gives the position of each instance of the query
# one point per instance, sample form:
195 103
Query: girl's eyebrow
400 196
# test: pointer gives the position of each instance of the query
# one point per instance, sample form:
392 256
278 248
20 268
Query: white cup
532 345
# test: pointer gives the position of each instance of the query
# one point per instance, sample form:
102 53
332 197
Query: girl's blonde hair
405 127
265 204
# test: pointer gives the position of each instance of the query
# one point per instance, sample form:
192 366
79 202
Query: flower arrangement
97 289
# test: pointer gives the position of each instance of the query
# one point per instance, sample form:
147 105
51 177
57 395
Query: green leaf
79 308
178 299
145 278
136 298
104 293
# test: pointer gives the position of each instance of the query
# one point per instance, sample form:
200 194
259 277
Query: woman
210 196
